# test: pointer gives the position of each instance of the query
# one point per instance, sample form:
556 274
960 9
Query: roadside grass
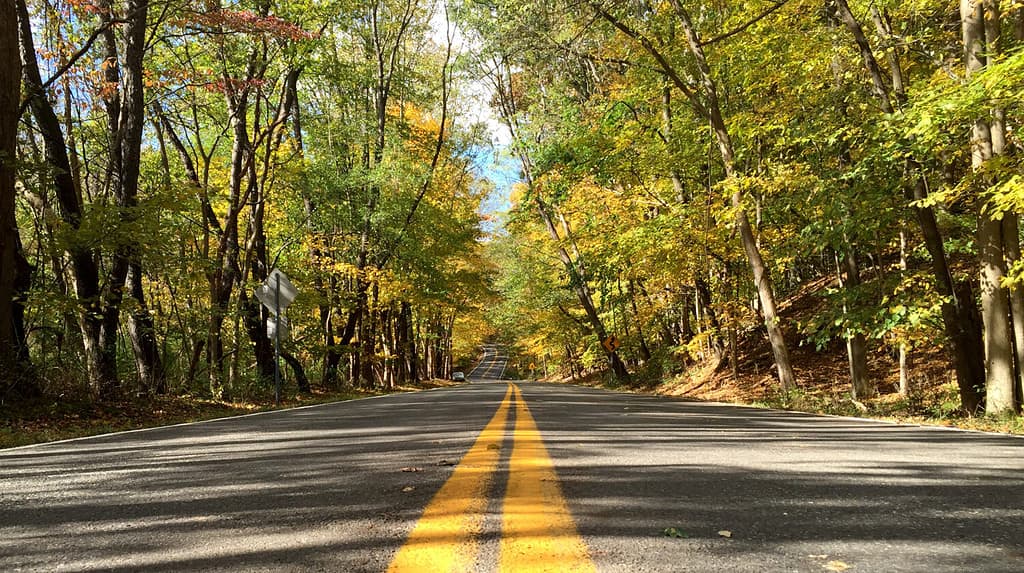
937 407
60 418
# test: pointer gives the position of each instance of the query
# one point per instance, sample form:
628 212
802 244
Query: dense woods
684 167
689 165
169 155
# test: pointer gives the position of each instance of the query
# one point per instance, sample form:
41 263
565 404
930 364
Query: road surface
492 364
492 476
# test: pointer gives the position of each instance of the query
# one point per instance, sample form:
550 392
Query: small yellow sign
611 344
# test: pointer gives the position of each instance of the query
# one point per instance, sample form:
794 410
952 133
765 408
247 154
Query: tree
14 269
981 31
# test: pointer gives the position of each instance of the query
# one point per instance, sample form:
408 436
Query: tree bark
879 88
704 299
142 332
856 344
301 380
904 348
14 268
980 24
126 272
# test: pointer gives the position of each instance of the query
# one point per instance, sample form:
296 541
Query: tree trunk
959 314
995 318
645 351
69 203
904 348
301 380
1011 248
765 290
15 272
856 344
142 332
708 312
579 286
130 127
980 24
666 128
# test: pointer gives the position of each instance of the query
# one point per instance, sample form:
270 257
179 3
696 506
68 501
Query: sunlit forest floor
823 378
58 418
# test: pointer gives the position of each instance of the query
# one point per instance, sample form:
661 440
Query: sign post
276 293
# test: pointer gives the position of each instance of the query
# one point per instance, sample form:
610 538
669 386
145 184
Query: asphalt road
492 364
323 488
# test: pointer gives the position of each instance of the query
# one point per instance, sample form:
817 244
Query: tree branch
749 23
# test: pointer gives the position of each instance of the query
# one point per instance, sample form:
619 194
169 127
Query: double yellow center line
538 532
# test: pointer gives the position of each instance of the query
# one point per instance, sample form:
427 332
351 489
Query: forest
685 170
691 168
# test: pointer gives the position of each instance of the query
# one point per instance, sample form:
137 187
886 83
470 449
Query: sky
491 162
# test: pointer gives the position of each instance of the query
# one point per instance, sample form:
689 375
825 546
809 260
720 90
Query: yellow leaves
518 192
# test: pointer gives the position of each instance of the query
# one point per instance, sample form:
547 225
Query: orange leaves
84 5
248 22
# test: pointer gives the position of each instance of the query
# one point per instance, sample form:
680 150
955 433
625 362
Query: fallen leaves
725 533
674 532
833 565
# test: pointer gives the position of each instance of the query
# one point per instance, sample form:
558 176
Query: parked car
458 377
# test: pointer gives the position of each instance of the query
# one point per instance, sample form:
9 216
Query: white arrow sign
277 292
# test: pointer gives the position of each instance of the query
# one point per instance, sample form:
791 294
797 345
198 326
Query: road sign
611 344
275 324
277 292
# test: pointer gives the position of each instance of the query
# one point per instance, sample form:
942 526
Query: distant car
458 377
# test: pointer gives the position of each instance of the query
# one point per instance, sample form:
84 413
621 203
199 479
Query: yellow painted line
445 537
538 532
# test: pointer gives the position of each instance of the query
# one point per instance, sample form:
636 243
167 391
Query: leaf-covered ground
824 381
57 418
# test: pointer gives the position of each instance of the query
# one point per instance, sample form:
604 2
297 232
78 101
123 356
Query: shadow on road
324 488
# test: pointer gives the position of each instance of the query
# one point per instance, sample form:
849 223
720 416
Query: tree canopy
685 169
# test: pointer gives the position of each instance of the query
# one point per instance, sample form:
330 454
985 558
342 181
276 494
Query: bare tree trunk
980 23
142 332
666 128
645 351
14 268
856 344
904 350
301 380
960 317
579 285
130 127
708 311
1011 249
